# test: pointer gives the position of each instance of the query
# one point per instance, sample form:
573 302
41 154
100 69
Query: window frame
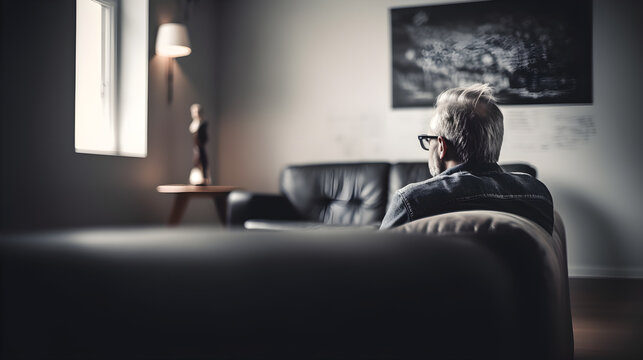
108 130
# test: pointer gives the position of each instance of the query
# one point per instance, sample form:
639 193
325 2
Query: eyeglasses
425 140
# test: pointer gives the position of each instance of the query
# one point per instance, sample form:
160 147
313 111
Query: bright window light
111 77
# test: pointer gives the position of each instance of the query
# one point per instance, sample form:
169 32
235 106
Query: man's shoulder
465 182
416 186
438 182
429 187
517 193
528 182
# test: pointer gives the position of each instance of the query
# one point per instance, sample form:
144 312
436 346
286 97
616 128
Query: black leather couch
322 195
467 285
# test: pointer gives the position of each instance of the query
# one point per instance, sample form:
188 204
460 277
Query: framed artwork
536 52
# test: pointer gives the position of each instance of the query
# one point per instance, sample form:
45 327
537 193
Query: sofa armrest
246 205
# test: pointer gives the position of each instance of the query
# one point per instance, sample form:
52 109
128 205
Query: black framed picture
536 52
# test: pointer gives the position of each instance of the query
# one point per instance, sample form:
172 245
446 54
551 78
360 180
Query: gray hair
470 120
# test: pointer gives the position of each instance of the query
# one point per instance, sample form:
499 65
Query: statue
200 173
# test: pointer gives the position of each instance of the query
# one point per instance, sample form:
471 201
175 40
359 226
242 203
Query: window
111 77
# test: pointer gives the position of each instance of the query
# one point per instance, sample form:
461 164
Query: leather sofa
337 195
467 285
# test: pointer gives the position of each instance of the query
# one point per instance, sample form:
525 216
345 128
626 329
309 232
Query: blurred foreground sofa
465 285
331 195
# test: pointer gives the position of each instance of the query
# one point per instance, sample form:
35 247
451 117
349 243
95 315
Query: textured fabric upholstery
536 260
338 193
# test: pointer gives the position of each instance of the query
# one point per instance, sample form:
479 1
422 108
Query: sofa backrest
338 194
354 193
537 264
206 293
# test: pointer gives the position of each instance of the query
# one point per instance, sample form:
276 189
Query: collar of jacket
473 168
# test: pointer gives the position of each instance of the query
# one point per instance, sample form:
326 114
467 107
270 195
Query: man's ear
442 147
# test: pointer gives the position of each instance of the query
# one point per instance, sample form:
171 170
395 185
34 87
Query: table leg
221 205
178 209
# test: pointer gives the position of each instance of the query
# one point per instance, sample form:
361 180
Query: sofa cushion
277 225
338 194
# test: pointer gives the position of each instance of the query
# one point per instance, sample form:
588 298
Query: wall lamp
172 41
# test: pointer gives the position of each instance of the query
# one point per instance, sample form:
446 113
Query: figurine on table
200 173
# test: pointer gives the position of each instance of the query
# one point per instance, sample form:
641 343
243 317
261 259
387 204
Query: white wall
310 81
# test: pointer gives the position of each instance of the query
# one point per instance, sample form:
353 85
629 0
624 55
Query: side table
184 192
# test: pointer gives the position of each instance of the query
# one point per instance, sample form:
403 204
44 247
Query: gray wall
309 81
44 183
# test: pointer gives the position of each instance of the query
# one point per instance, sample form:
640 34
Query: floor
607 316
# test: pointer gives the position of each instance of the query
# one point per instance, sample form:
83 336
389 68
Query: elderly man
463 143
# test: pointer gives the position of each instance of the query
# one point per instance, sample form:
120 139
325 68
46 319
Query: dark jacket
472 187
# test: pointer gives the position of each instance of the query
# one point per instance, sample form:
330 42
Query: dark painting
529 52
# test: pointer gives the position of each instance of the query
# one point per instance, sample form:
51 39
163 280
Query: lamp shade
173 41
